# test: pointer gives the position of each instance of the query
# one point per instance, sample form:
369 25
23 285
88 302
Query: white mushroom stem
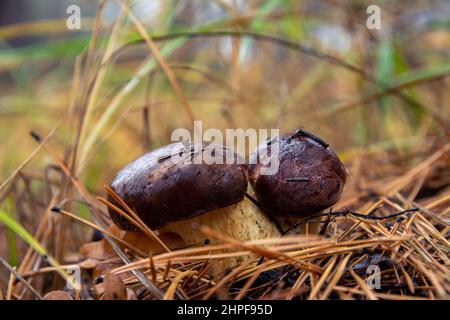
243 221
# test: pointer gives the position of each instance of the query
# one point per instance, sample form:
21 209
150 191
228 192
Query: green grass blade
120 98
384 70
10 236
29 239
21 232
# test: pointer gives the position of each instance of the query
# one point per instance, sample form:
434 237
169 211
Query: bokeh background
111 102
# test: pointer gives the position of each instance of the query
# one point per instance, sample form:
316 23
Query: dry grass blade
336 276
2 295
258 250
362 284
10 288
99 76
89 199
155 291
103 231
311 52
400 182
170 293
78 185
224 280
16 275
249 282
29 158
437 284
143 226
322 279
157 54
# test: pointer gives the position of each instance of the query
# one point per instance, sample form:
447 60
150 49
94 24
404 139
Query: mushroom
310 177
172 187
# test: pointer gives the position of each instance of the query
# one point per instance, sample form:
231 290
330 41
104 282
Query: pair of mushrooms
170 197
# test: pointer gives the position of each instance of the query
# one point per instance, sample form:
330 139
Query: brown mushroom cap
161 191
310 177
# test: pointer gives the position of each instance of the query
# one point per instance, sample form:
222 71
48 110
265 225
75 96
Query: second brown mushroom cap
310 176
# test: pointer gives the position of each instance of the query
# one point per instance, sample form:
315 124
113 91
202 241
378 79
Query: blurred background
318 67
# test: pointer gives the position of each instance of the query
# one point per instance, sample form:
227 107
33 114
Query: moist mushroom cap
310 177
161 190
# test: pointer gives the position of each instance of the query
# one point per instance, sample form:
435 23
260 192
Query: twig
346 212
20 278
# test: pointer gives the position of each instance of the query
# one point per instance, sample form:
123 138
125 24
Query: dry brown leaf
114 287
